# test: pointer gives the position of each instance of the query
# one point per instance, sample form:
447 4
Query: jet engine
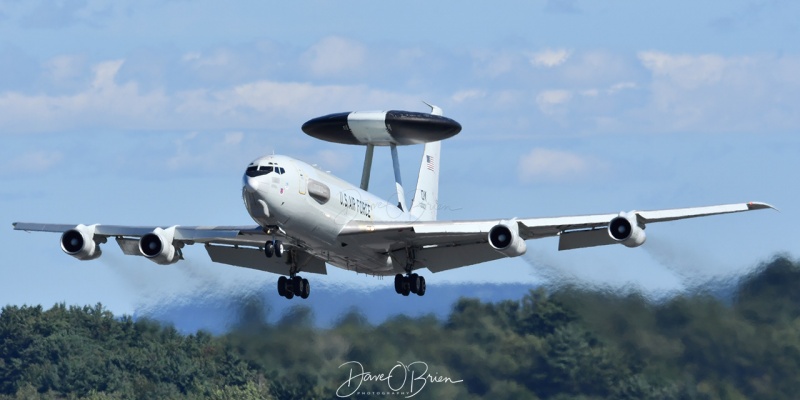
504 237
158 246
80 242
625 229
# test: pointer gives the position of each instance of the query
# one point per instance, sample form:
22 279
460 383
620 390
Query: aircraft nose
250 183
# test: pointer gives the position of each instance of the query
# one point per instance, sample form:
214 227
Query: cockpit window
258 170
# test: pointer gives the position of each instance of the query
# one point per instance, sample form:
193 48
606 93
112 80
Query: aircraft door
301 187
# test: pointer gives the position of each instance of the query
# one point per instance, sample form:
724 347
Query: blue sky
147 112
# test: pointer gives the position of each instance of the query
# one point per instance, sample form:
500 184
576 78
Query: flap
255 259
585 238
129 247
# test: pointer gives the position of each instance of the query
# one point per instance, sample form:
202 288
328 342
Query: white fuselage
312 206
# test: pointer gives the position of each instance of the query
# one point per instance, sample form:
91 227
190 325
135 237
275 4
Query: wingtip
756 205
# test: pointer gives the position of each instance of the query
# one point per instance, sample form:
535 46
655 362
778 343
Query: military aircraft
307 218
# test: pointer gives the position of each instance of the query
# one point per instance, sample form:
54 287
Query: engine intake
504 237
158 246
80 243
625 229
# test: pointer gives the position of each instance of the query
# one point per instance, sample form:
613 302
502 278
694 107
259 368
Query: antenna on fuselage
383 128
367 166
398 182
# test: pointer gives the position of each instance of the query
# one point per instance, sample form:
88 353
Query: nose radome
250 183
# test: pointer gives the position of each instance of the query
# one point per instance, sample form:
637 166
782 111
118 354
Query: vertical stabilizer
426 197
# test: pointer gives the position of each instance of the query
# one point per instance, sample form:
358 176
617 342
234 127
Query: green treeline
562 344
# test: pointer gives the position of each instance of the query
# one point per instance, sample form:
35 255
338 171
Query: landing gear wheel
294 286
297 285
413 281
406 287
278 247
282 286
305 290
269 248
398 283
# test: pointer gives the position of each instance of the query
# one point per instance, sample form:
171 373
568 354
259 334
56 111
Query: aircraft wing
233 245
182 233
443 245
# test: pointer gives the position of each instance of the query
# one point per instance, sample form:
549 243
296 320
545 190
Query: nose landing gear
293 285
273 247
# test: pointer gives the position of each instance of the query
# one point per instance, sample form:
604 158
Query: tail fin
426 197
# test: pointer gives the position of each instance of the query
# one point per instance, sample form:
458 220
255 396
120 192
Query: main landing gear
290 286
293 285
410 283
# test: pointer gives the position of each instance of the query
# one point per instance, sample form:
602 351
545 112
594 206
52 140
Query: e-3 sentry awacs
308 219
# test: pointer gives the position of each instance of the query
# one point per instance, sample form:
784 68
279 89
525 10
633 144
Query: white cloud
590 92
332 160
63 68
106 103
496 63
550 101
599 68
466 95
219 58
201 152
687 70
408 55
233 138
184 157
224 89
554 165
191 56
34 161
295 99
716 93
105 73
334 56
549 58
618 87
551 97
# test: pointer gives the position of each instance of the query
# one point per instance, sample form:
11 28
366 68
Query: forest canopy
550 344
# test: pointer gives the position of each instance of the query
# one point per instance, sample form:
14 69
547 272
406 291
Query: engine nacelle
80 243
627 230
504 237
158 246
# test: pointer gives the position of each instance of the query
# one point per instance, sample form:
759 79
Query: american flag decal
429 160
